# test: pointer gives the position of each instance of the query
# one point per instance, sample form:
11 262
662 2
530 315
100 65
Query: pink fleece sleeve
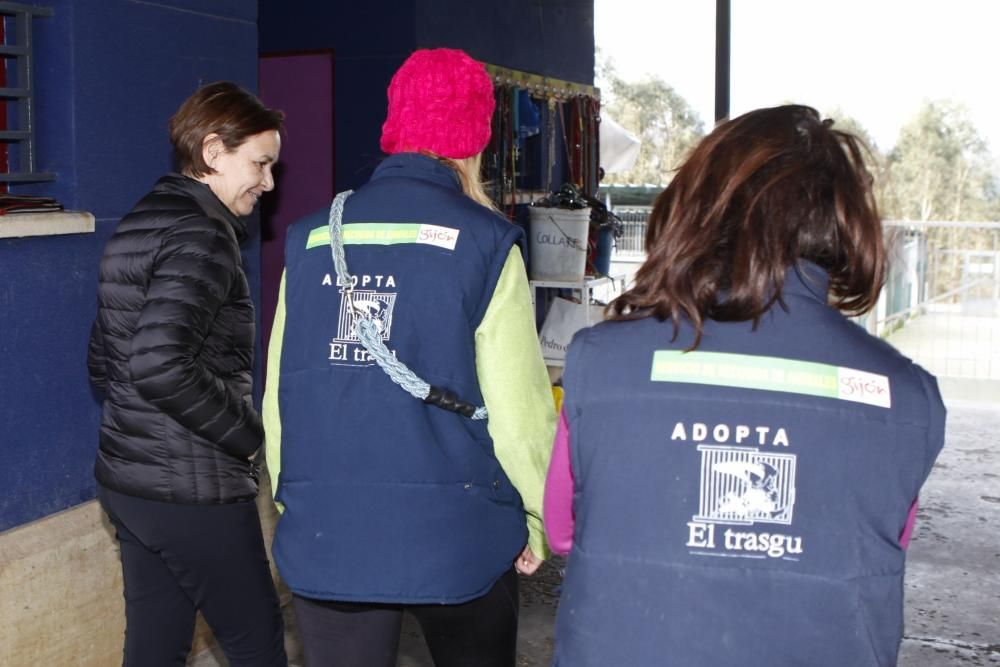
558 504
904 538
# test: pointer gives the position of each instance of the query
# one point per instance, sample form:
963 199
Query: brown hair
759 193
221 108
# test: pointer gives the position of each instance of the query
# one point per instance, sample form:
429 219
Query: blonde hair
468 170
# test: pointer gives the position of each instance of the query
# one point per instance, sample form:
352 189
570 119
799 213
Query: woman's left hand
527 563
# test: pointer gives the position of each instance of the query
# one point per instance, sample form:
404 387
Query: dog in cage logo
740 485
378 306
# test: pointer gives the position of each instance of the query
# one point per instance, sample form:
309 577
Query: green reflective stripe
771 374
380 233
387 233
317 237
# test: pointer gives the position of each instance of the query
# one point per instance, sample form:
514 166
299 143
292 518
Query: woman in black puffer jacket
172 351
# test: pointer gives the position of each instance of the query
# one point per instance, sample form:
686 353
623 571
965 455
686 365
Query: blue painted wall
108 76
371 39
109 73
554 39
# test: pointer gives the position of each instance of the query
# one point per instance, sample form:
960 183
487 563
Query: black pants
482 632
179 559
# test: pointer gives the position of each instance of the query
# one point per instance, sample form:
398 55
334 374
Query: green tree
653 111
941 168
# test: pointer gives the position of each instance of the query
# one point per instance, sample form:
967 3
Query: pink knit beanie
441 101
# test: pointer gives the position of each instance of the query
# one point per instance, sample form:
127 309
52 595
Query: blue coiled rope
371 337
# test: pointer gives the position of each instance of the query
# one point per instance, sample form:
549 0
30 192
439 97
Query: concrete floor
953 568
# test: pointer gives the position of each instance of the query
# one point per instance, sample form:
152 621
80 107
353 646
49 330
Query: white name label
442 237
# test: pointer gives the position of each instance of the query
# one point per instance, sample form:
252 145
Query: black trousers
179 559
480 633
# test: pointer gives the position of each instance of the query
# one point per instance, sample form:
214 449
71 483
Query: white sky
877 60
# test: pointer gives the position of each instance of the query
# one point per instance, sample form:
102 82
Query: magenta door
301 85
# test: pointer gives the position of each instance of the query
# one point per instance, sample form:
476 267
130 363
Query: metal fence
632 242
941 302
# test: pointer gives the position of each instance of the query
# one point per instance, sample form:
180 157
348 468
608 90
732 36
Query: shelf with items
553 347
583 286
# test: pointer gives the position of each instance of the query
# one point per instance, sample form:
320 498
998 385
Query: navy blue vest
388 499
742 505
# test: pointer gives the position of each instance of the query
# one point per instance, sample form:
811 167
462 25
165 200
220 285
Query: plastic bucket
557 245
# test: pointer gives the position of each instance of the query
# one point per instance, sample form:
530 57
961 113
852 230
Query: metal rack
584 287
541 86
19 50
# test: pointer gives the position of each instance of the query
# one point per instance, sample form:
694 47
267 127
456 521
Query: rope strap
371 338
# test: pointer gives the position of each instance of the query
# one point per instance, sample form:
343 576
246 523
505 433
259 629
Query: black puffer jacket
172 350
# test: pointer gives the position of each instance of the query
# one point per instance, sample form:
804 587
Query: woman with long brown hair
736 458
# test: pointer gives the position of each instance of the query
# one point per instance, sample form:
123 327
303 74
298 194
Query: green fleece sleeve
515 386
271 415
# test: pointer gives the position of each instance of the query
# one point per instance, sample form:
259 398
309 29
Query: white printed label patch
862 387
442 237
387 233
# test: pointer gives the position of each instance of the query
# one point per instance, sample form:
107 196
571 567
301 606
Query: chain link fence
941 303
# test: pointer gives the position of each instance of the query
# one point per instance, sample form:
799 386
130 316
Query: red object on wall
301 84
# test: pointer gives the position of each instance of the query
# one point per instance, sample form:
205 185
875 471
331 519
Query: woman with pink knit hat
413 286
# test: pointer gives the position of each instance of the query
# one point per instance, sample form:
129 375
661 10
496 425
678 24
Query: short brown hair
758 194
221 108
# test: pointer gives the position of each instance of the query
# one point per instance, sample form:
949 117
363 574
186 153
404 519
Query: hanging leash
371 337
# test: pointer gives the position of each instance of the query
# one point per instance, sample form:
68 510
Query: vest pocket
499 486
